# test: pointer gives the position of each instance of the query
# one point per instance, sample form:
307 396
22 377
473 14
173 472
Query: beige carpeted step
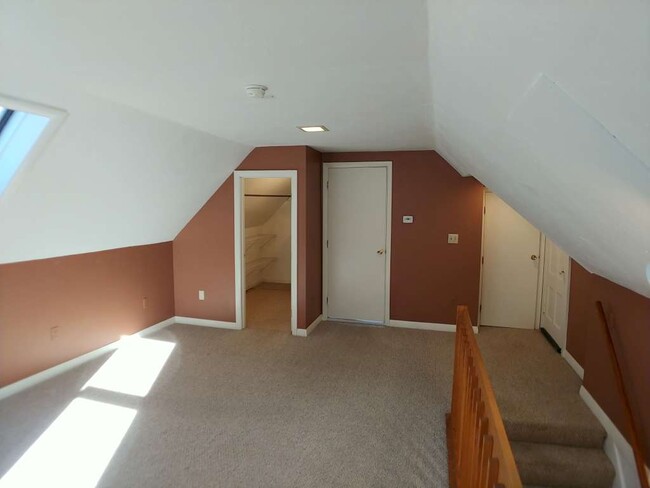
563 430
562 466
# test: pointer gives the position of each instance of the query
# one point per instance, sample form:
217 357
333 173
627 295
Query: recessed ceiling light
314 128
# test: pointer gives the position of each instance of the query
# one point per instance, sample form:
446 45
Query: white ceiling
357 67
455 75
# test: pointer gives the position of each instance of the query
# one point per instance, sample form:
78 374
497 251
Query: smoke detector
256 91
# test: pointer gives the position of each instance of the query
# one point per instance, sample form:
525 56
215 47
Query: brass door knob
533 257
381 251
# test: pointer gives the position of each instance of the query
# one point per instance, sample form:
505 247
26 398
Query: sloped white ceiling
159 117
548 104
111 177
264 197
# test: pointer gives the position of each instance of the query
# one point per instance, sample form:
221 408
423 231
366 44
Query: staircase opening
556 440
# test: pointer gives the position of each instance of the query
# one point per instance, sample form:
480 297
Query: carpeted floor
268 306
347 406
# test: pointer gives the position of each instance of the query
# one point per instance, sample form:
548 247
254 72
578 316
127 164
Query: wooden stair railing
479 451
637 446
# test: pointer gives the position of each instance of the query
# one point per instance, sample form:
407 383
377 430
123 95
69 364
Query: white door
555 292
510 267
356 246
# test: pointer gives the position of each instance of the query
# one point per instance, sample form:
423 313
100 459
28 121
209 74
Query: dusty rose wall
586 343
428 276
92 298
204 259
204 249
314 236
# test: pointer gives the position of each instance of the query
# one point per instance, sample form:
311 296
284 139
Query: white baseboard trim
310 329
405 324
217 324
573 363
616 447
37 378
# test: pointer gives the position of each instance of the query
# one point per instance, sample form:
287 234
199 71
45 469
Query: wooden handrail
479 451
637 447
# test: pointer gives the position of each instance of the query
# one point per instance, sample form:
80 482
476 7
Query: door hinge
482 260
327 300
327 184
327 244
483 210
480 308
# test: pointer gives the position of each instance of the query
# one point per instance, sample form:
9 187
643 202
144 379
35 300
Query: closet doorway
266 215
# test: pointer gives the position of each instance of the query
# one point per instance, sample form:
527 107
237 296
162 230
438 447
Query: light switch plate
201 294
452 238
407 219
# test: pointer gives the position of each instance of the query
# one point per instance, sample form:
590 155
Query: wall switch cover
452 238
201 294
407 219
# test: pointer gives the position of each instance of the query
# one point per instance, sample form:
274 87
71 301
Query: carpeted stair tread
537 391
556 431
562 466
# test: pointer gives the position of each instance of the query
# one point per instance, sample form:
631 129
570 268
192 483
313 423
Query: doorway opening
524 275
266 250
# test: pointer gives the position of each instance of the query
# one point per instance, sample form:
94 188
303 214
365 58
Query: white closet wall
279 271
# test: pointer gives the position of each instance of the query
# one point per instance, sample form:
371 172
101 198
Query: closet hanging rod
262 195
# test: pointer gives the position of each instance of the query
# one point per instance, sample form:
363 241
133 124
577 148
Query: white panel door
555 292
356 248
510 267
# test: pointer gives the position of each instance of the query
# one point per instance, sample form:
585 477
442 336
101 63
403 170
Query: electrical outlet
54 332
407 219
452 238
201 294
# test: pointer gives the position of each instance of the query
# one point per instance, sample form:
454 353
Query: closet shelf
258 264
259 239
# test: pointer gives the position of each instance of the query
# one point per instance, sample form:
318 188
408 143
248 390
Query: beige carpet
537 391
347 406
268 306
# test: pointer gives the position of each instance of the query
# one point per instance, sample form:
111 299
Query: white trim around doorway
389 209
240 273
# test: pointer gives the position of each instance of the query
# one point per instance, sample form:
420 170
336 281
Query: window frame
56 115
4 120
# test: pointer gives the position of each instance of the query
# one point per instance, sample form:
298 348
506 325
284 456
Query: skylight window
19 132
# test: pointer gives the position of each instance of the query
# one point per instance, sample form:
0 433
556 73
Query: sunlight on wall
75 450
133 368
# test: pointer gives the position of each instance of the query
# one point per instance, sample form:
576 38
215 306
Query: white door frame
240 226
389 206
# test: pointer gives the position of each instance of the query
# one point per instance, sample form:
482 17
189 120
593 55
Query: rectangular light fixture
314 128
